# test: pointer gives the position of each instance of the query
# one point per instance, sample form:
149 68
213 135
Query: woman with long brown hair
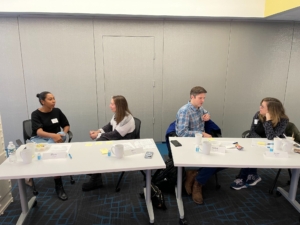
269 122
121 126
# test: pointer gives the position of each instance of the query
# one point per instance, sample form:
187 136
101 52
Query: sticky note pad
109 142
104 151
98 143
89 144
211 139
261 143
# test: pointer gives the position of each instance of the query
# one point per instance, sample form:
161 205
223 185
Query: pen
70 156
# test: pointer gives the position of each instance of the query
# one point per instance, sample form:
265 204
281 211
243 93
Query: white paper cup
26 155
277 144
288 145
198 138
206 147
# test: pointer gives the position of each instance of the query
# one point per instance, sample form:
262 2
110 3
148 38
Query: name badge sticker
255 121
54 120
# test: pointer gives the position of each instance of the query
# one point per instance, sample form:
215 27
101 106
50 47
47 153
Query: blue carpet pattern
107 207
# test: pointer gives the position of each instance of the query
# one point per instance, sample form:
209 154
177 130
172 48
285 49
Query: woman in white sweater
121 126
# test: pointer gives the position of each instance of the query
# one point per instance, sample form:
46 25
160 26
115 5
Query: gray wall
153 63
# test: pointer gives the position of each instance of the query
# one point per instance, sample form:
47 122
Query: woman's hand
57 138
94 134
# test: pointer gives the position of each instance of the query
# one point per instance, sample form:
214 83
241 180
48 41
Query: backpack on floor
166 179
157 197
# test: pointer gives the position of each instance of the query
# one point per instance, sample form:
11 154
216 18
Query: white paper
60 148
280 154
218 149
127 146
54 155
145 144
133 151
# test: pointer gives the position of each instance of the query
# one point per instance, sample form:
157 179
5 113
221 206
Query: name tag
219 149
54 120
255 121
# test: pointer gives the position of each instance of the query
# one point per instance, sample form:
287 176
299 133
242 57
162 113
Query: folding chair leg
289 181
119 181
218 186
72 180
35 192
275 182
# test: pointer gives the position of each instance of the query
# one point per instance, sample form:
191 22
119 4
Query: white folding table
250 157
87 158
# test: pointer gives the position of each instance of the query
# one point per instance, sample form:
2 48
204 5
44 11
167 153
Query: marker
70 156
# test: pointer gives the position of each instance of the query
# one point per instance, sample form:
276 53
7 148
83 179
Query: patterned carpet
106 207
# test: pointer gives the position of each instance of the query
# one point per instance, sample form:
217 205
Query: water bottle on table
11 149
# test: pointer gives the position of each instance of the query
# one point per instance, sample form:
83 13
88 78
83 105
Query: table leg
147 193
291 195
178 191
26 206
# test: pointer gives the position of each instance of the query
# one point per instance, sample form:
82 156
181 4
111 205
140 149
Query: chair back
137 129
27 130
292 131
171 132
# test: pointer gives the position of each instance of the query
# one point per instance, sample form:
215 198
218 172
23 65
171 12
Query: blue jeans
205 173
38 139
246 171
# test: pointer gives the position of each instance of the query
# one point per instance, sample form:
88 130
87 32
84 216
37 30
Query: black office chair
290 130
27 131
136 136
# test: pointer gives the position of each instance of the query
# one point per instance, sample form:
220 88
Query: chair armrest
245 134
70 135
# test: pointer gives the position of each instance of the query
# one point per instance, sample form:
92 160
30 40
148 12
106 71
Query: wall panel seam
96 73
226 76
21 55
288 70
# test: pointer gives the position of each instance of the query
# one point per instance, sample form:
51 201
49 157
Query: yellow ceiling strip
277 6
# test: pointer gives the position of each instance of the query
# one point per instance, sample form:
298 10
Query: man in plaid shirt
190 120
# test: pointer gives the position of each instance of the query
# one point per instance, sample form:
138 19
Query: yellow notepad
104 151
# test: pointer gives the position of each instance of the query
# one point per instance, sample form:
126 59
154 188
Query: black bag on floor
157 197
166 179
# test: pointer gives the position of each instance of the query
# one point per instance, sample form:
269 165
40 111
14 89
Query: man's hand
94 133
206 135
206 117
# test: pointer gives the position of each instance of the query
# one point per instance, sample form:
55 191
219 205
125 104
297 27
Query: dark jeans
246 171
205 173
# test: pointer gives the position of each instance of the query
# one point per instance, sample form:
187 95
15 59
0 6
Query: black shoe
94 183
61 194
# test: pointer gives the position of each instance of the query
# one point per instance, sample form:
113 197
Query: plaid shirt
189 120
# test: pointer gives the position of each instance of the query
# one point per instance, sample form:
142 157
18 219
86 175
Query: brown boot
197 193
190 178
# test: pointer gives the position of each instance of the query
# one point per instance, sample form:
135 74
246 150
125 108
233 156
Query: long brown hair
122 109
276 110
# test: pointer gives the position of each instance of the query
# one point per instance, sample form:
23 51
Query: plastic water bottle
39 156
109 153
270 148
11 149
